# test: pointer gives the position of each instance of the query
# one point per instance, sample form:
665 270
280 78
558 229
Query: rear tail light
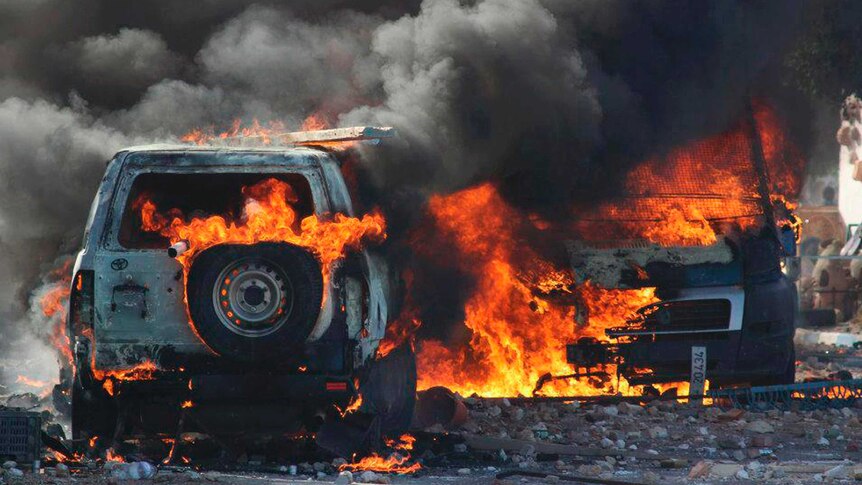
81 302
336 386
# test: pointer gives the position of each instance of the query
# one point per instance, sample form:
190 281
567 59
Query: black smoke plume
552 99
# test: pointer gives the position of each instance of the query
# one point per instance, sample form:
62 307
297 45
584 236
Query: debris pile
663 441
611 438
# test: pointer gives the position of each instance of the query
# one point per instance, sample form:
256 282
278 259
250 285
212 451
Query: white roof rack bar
353 133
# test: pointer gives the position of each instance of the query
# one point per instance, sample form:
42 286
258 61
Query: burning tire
254 302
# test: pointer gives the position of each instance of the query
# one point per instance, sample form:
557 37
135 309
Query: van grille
678 316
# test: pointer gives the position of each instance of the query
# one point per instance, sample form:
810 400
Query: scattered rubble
661 441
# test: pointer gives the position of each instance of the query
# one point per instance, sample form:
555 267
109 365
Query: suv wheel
254 302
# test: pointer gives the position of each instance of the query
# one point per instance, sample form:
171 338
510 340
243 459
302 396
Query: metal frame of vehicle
754 344
151 323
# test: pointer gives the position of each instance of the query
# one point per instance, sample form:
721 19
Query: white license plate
697 382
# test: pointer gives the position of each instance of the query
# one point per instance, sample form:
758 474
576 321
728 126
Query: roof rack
366 134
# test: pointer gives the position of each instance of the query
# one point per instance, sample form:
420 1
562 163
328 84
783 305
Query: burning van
707 229
226 279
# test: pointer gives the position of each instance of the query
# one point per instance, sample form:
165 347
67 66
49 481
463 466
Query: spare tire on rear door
254 302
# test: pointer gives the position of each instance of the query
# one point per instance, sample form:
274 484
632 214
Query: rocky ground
657 442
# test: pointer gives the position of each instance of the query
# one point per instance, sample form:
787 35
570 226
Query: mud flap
390 390
93 412
389 396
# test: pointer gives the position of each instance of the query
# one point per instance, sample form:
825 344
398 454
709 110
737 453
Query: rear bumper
244 388
234 403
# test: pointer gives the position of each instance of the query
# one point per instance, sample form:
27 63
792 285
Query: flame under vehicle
190 293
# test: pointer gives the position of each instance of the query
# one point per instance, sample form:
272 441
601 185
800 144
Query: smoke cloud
553 98
132 59
548 97
477 91
51 160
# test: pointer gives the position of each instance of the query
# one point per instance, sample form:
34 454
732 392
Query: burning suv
236 281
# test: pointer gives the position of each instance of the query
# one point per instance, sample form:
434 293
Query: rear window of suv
197 195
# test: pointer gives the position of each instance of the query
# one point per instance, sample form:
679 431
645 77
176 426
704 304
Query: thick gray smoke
131 59
556 97
51 159
473 89
541 95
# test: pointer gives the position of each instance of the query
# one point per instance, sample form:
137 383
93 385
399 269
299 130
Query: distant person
832 281
849 134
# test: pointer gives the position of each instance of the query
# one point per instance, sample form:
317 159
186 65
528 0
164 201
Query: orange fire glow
270 133
517 335
268 216
141 372
697 191
353 406
203 136
397 462
315 121
111 455
517 322
54 305
74 457
682 226
32 382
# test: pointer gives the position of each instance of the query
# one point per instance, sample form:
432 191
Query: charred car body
729 290
732 300
251 334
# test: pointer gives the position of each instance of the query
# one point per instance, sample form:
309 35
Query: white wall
849 190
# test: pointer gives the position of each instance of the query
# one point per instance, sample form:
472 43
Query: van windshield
197 196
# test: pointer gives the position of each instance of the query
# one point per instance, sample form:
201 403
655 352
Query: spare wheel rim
253 297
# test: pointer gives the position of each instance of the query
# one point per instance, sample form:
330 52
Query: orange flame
203 136
32 382
701 189
353 406
266 134
405 325
521 310
60 458
268 216
54 305
141 372
111 455
315 121
397 462
517 335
